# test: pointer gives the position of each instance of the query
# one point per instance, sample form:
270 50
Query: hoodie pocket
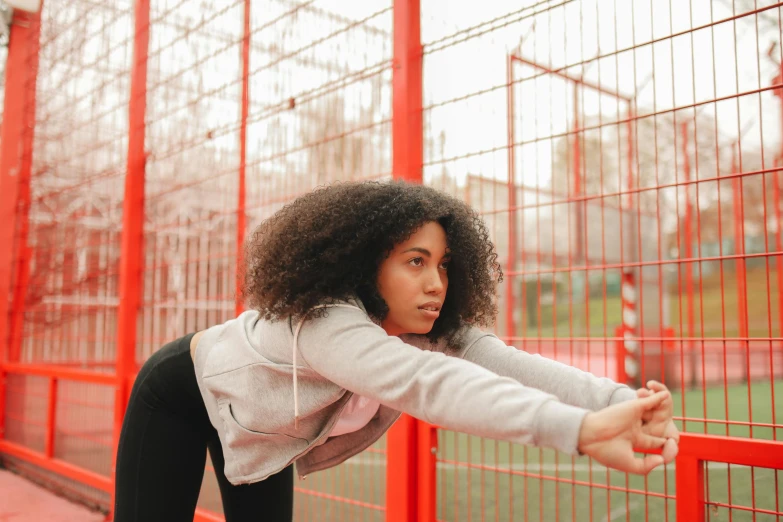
232 425
253 455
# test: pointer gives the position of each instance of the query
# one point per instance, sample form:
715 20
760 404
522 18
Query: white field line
622 511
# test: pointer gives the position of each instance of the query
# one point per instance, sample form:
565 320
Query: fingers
650 410
671 432
669 451
652 387
656 386
653 401
642 466
645 441
638 465
658 419
641 393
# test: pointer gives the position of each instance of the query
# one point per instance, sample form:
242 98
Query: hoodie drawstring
296 349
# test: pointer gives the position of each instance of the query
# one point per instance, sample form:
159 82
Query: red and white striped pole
629 341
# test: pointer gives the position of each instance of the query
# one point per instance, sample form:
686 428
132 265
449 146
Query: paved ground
23 501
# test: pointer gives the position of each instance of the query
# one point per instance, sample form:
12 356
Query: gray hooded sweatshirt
274 401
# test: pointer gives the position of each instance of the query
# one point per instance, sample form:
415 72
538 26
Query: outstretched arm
571 385
350 350
353 352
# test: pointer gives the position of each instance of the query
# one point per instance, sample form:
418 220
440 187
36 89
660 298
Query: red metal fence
623 154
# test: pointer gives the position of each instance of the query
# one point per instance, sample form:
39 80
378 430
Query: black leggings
163 446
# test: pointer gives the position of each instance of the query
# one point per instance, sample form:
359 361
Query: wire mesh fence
608 168
624 156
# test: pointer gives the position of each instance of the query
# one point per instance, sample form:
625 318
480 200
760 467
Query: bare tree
337 148
656 158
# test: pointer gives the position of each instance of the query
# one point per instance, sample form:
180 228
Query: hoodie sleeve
347 348
570 385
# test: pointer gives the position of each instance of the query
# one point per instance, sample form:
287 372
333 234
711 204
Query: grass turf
715 309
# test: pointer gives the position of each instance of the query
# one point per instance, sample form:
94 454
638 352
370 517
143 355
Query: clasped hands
611 435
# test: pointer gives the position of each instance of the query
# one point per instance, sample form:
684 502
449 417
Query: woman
366 301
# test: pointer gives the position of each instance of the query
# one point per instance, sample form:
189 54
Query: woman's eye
444 265
416 261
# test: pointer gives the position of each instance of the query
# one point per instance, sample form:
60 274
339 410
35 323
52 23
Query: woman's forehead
430 236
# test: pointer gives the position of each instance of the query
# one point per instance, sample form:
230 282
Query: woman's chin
422 329
413 327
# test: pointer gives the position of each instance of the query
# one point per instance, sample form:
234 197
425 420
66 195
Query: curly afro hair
328 245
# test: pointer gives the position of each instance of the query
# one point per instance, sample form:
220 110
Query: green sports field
715 309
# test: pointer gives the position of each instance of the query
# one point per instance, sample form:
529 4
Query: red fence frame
412 444
402 486
696 450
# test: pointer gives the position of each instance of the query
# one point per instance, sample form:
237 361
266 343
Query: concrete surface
24 501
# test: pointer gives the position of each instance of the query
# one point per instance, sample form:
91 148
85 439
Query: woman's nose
434 284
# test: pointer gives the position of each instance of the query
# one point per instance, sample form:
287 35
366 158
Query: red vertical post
620 353
688 233
16 147
576 164
512 201
407 160
131 251
778 240
689 477
24 256
241 217
628 292
776 196
427 460
20 250
51 418
630 153
739 241
402 471
407 130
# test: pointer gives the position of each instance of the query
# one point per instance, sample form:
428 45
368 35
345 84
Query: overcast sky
695 67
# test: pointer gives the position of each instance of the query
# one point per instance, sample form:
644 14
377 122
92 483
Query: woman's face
413 281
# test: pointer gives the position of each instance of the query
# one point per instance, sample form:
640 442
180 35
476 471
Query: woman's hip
167 380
